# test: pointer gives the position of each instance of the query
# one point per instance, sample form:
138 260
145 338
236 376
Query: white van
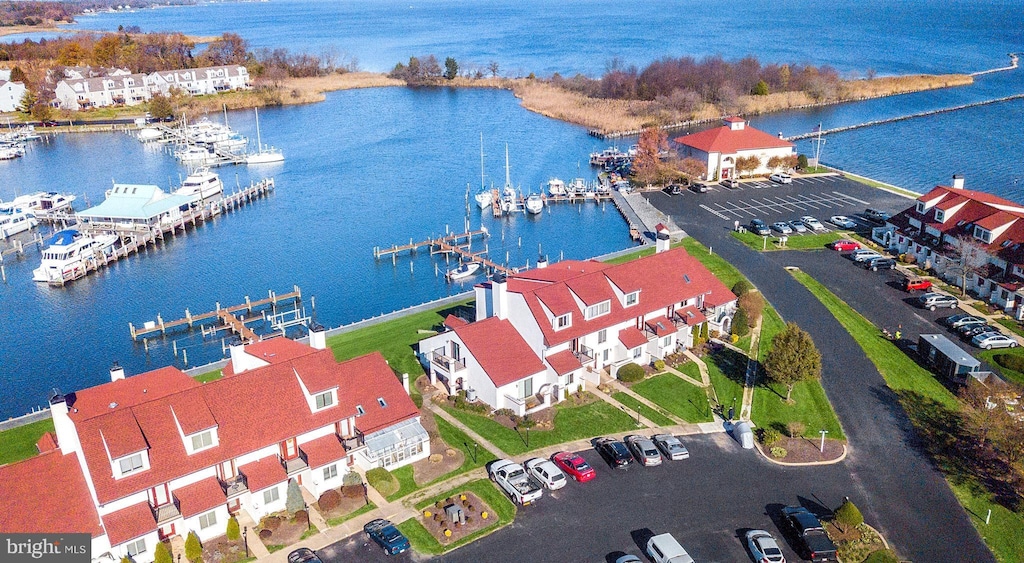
665 549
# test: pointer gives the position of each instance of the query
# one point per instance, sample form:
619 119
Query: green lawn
338 520
631 256
771 324
727 370
810 407
1010 375
930 407
678 397
19 443
645 411
571 423
208 376
504 512
718 266
1013 325
406 483
794 242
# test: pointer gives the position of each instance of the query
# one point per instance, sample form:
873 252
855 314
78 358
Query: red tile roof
452 321
726 141
323 450
272 351
46 443
129 523
253 409
691 315
200 497
47 493
499 349
124 393
631 337
564 362
263 473
192 413
661 326
121 434
664 280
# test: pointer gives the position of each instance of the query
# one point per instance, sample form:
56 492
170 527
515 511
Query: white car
812 223
843 221
644 450
863 255
781 178
670 446
764 548
990 340
546 472
782 227
798 226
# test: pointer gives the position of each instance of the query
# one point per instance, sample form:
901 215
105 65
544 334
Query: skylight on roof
1006 243
686 277
360 411
382 402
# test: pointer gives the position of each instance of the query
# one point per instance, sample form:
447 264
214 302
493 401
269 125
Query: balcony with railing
166 512
585 354
447 364
235 486
353 442
296 464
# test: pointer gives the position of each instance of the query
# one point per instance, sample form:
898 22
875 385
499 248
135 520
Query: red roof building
719 148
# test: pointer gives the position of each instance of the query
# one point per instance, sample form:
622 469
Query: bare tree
967 257
493 68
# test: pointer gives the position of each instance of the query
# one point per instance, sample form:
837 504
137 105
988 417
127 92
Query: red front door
288 449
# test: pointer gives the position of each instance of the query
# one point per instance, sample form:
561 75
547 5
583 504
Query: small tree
160 106
293 502
747 164
646 167
233 533
740 323
193 549
28 100
796 428
776 162
18 75
492 67
793 358
42 112
760 89
967 258
848 515
451 68
741 287
801 161
752 304
161 554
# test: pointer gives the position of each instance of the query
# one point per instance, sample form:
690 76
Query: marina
227 316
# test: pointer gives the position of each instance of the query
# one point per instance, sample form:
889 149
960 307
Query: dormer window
324 400
920 207
631 299
602 308
131 464
563 321
202 440
982 234
940 215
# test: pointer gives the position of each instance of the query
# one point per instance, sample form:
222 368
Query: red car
574 465
917 284
843 245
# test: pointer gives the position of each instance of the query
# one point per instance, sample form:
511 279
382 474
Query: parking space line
712 211
725 210
787 205
810 202
862 202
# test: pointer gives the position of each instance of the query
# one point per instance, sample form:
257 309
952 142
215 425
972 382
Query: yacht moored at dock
202 184
534 204
556 187
71 254
14 220
462 272
42 204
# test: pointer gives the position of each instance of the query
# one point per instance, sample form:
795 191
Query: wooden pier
457 244
135 238
548 199
226 315
218 157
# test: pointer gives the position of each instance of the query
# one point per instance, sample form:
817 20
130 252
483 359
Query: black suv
881 263
758 227
614 452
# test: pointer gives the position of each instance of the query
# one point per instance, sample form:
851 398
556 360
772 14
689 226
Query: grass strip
19 443
816 241
678 397
810 406
633 404
209 376
1011 375
718 266
338 520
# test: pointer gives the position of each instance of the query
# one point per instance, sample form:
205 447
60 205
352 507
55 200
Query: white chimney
542 261
482 305
317 336
64 428
499 295
116 372
405 382
238 355
664 241
958 182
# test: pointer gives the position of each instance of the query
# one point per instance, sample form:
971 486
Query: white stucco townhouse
11 94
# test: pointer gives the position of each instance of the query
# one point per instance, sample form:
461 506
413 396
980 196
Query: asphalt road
903 494
707 502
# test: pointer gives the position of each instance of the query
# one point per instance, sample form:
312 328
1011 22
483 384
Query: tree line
36 13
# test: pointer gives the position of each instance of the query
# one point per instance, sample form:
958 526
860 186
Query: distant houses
85 87
11 94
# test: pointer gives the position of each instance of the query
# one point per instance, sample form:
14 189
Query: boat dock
226 316
548 199
457 244
219 157
135 238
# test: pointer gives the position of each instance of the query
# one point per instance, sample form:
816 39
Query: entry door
161 496
288 449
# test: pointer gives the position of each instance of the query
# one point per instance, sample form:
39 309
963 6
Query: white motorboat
41 202
462 272
556 187
70 254
149 134
193 154
263 154
14 220
202 184
578 186
11 151
534 204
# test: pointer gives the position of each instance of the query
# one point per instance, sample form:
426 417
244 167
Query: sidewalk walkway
484 443
751 376
642 420
621 387
256 547
314 515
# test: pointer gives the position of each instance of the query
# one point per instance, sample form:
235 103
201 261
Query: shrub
1010 361
505 412
778 452
796 428
741 287
293 502
630 373
265 534
740 323
352 479
162 554
479 407
848 515
659 365
329 500
769 436
760 89
801 161
526 422
382 480
301 517
126 559
882 556
734 338
271 523
233 533
193 549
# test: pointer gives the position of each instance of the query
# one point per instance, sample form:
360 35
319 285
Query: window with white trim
136 547
940 215
131 464
324 400
209 519
631 298
271 495
202 440
602 336
563 321
331 471
920 207
602 308
637 351
983 234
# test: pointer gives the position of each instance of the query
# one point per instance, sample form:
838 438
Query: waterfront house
199 81
719 148
932 229
11 94
157 455
138 205
103 91
540 334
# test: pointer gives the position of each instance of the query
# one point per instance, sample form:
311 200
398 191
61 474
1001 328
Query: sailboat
263 155
484 197
508 193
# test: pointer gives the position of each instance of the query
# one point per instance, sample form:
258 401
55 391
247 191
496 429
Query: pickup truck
810 535
917 284
517 483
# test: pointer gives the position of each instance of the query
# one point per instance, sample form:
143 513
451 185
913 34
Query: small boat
41 202
70 254
608 154
194 154
202 183
484 198
14 220
11 151
263 154
534 204
578 186
462 272
556 187
149 134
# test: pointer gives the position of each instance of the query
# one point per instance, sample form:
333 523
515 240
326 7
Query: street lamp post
823 432
245 539
309 523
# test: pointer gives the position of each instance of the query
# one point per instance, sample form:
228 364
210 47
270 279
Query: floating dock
457 244
225 315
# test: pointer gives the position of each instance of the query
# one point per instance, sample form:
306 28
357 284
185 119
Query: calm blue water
378 167
355 177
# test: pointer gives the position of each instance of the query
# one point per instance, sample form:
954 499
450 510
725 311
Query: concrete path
752 367
484 443
256 547
702 368
643 420
620 387
314 515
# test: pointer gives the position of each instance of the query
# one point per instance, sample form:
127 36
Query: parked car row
802 225
865 257
978 332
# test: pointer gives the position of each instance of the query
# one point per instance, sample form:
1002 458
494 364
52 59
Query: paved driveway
904 494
